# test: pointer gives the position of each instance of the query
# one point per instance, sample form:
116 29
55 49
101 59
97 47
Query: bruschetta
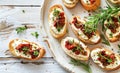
78 27
90 4
105 58
112 28
70 3
75 48
57 21
26 49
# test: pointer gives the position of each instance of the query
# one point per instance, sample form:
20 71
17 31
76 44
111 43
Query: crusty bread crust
92 6
11 49
86 41
115 1
64 27
108 69
70 5
113 39
75 56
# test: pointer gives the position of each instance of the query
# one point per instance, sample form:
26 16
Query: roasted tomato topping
113 24
106 59
23 47
92 1
78 25
76 48
60 21
27 49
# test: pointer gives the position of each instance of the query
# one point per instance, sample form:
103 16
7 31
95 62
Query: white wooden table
31 15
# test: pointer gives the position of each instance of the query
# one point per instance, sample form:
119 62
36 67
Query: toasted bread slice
70 3
115 1
105 58
90 4
75 48
57 21
77 29
25 49
112 30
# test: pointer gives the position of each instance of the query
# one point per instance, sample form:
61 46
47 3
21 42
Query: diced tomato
77 52
74 20
112 56
92 1
20 46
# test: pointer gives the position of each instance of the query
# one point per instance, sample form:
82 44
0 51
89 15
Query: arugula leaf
21 29
84 65
104 41
35 34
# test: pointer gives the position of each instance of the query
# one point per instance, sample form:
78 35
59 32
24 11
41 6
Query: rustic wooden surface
10 64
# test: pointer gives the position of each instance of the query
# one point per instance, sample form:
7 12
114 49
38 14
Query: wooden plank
21 2
31 15
46 65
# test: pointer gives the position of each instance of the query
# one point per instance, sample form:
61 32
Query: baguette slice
58 24
90 4
70 3
115 1
77 29
75 48
105 58
112 31
26 49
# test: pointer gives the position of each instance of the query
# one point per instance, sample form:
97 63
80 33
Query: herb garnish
84 65
111 35
56 12
99 18
36 53
21 29
104 40
109 60
35 34
25 49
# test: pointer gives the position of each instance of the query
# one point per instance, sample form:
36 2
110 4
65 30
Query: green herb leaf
25 49
109 60
56 12
21 29
99 18
35 34
84 65
111 35
36 53
104 41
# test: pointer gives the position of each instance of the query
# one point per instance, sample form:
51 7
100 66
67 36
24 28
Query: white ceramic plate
55 47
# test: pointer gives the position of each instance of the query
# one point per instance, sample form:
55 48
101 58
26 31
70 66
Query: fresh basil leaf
21 29
35 34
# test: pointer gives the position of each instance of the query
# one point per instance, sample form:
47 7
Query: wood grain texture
21 2
31 15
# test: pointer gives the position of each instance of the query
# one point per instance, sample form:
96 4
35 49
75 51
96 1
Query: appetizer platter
83 35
